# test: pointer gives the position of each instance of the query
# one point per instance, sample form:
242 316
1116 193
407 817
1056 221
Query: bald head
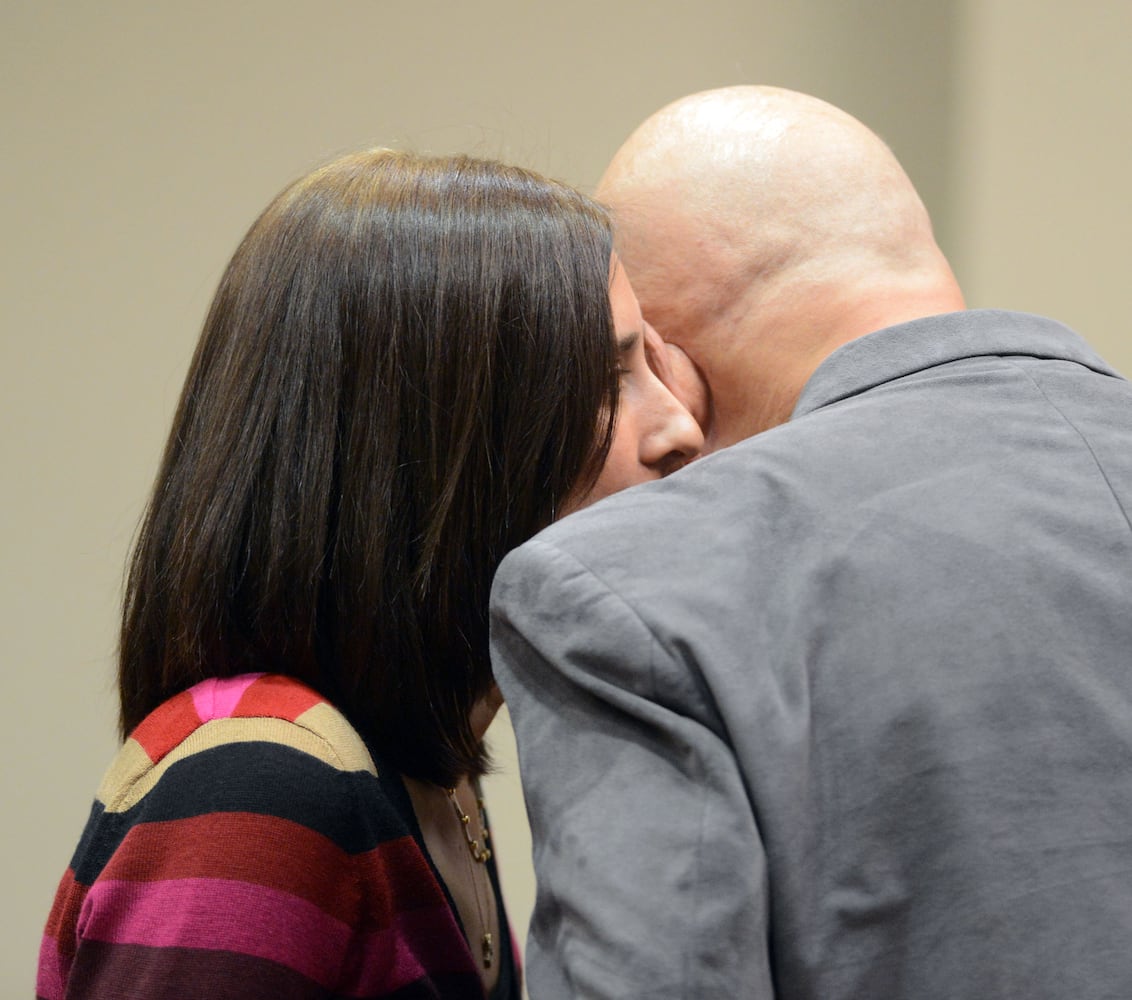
762 229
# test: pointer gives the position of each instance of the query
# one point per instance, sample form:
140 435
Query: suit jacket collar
907 348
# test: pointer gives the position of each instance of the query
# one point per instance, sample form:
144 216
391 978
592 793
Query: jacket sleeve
651 873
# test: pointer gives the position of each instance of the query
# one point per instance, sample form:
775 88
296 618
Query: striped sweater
243 844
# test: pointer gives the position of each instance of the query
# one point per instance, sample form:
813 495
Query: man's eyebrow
627 341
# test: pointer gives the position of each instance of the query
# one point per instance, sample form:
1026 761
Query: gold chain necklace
479 854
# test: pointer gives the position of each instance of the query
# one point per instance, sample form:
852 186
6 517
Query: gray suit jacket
845 710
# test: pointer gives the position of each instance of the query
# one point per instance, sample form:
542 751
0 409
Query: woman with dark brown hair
411 365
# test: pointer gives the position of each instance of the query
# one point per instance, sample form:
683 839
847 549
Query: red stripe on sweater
269 696
64 912
164 728
276 697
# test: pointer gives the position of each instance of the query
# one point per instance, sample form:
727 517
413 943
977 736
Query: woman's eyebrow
627 341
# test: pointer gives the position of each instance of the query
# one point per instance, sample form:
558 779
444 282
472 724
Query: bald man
844 709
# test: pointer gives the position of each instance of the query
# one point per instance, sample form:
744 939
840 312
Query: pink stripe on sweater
49 979
217 698
225 915
217 914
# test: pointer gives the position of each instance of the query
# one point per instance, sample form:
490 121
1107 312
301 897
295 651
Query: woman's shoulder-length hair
407 366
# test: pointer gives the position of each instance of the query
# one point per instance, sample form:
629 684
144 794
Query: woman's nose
674 438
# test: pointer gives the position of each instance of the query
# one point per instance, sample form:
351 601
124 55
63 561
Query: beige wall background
141 139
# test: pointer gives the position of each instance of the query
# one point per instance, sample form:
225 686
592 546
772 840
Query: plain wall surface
141 140
1043 161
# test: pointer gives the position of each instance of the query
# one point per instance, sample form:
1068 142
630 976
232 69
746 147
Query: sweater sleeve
234 875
